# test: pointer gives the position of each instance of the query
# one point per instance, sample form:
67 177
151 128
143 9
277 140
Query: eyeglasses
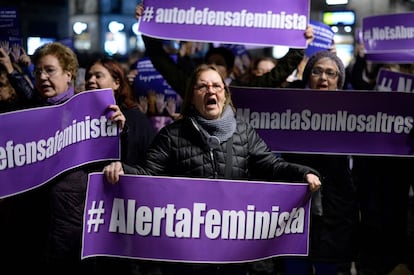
329 73
49 71
215 87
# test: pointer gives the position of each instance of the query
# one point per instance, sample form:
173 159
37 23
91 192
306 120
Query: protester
20 81
107 73
334 243
258 67
264 65
383 184
9 100
196 146
53 213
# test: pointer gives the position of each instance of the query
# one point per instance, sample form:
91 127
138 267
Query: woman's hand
117 115
313 181
112 171
309 35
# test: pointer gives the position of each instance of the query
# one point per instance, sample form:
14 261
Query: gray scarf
222 128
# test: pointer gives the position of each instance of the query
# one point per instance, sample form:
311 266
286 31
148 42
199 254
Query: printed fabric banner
273 22
334 122
195 220
388 81
389 38
39 144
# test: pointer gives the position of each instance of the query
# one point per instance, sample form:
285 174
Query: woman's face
209 95
220 63
98 77
324 75
6 89
51 79
264 66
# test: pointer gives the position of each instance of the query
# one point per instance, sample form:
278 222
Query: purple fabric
370 122
389 38
23 167
62 97
394 81
193 20
122 220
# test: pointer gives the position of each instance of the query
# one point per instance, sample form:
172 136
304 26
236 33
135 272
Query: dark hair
319 55
226 53
187 108
123 95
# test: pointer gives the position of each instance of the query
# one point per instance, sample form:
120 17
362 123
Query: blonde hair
66 57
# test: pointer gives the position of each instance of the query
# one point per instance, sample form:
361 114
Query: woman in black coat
209 142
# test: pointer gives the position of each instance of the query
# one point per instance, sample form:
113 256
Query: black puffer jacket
180 149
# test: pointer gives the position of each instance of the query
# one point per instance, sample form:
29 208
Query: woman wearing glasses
334 233
323 71
51 215
196 146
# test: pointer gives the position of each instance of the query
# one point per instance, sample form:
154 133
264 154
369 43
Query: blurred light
79 27
279 51
115 43
335 29
135 29
348 29
34 42
115 26
336 2
346 17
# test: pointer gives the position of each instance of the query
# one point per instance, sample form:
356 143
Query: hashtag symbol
148 14
95 216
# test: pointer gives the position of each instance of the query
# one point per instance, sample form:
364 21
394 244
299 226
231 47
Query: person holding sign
47 221
209 142
107 73
334 233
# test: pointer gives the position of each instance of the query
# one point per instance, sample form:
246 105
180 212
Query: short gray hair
322 54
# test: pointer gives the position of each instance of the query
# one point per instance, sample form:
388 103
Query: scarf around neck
61 97
222 128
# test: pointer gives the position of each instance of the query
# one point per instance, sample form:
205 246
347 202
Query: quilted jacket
180 149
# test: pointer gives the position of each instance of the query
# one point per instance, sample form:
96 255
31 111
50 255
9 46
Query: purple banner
39 144
273 22
389 38
339 122
394 81
170 219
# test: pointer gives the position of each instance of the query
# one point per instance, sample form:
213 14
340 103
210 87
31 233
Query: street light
336 2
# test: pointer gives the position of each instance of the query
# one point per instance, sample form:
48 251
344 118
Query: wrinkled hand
313 181
117 115
112 171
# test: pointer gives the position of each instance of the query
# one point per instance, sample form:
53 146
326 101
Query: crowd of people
360 203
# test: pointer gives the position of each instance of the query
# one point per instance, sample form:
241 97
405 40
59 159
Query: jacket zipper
213 163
